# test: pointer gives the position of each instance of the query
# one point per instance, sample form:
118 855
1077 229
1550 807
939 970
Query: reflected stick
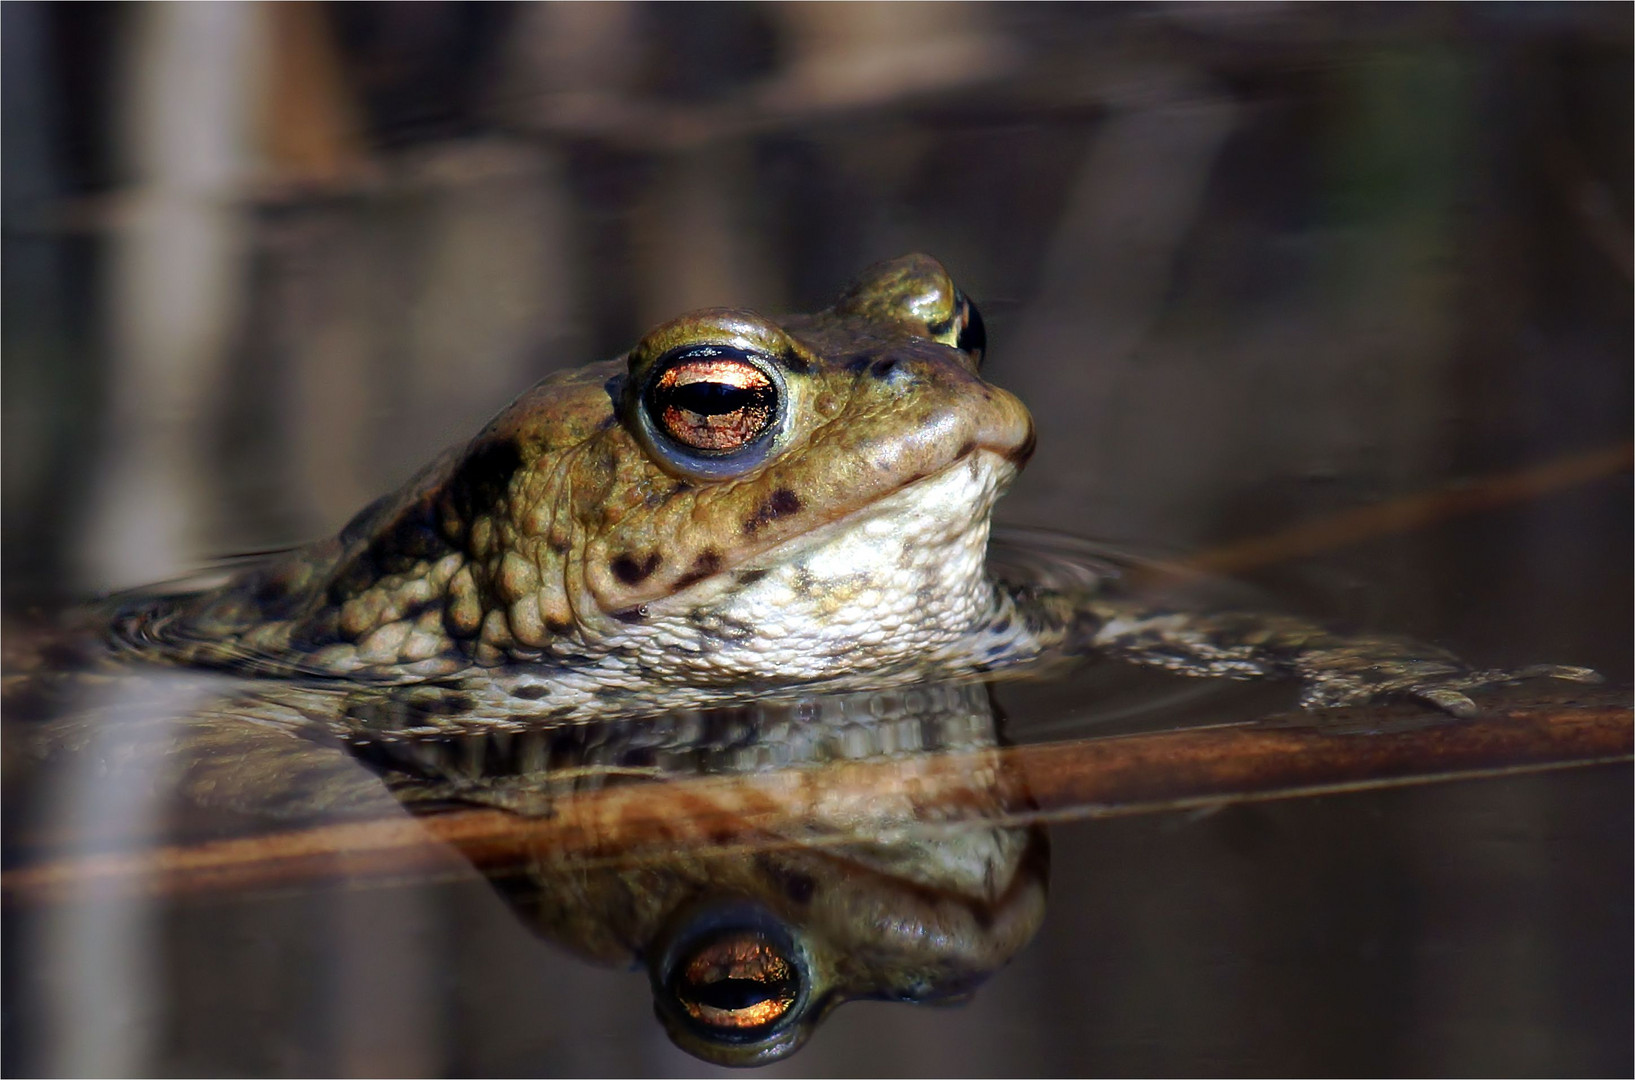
1296 754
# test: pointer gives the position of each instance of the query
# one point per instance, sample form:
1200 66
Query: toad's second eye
973 335
711 400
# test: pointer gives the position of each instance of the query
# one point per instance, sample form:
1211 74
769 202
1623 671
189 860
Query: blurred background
1249 264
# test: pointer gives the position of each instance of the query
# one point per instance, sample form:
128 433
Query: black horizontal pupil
730 995
716 399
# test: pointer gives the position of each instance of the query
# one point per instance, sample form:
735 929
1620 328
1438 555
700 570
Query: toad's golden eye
712 400
737 982
973 334
963 329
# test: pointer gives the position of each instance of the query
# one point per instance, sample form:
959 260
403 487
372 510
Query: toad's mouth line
972 512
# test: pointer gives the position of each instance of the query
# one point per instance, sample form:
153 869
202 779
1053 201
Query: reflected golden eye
737 982
713 401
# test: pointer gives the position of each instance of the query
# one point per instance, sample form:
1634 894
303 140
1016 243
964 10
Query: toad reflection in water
741 512
769 897
790 858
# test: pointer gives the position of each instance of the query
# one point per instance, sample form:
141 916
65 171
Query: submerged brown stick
1297 754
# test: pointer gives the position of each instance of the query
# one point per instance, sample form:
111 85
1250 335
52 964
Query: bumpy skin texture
568 553
575 562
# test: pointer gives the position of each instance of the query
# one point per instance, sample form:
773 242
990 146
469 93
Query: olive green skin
565 533
570 563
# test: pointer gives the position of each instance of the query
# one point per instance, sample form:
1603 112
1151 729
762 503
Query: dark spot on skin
412 539
857 363
633 571
1001 625
794 362
353 577
557 627
966 447
681 487
275 599
750 577
532 693
317 632
481 480
557 545
780 504
882 368
631 615
269 591
707 564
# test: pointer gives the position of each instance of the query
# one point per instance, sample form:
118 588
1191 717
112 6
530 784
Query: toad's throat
948 503
887 586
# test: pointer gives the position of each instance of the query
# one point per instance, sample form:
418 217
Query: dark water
1249 267
1421 930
